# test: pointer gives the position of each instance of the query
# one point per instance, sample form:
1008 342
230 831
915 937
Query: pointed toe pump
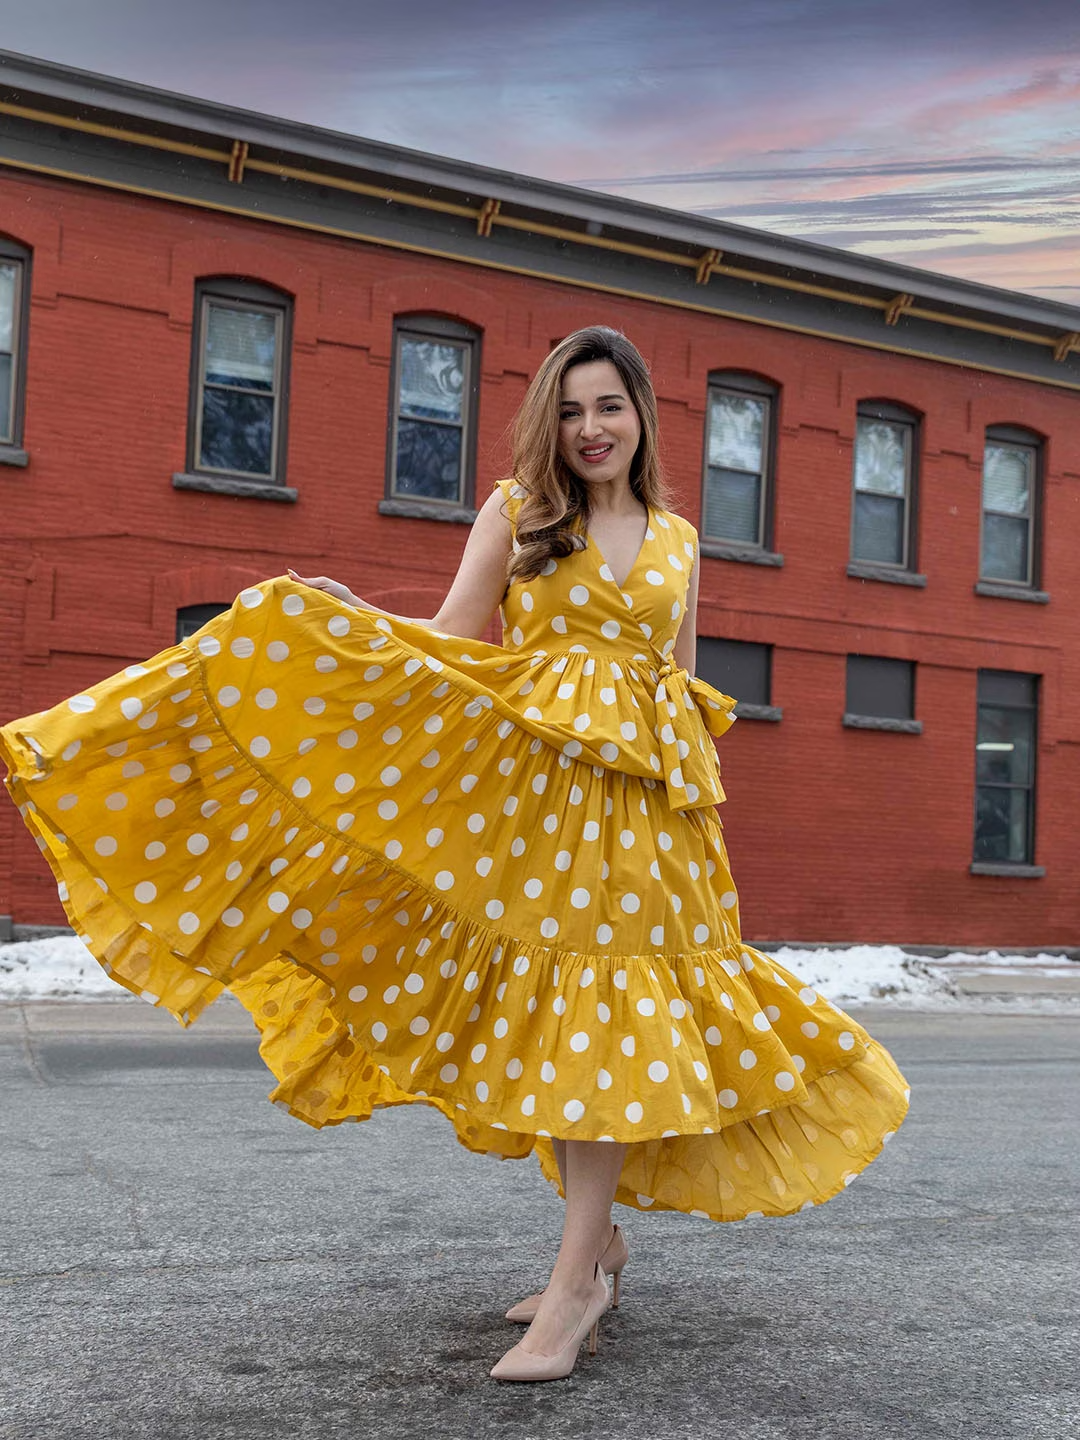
612 1262
519 1364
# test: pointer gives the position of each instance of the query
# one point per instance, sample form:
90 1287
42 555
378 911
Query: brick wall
836 834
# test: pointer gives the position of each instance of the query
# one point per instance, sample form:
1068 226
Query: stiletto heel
615 1256
616 1276
521 1364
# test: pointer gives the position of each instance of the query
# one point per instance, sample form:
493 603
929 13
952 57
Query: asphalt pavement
179 1259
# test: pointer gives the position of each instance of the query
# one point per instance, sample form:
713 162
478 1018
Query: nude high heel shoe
612 1261
520 1364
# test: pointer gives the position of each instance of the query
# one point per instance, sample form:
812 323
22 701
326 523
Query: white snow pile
62 968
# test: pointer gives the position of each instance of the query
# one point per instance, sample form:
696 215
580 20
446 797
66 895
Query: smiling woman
484 878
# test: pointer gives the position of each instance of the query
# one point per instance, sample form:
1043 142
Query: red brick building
230 343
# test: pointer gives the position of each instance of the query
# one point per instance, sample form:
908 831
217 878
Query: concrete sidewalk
180 1260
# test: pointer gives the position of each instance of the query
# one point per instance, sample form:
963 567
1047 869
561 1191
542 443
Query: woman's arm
686 638
478 586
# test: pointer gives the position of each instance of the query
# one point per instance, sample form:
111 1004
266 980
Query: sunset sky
939 133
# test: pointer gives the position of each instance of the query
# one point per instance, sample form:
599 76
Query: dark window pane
1007 471
428 460
6 372
733 506
879 529
192 618
736 432
1002 825
1004 746
1005 548
880 687
8 277
881 457
431 380
737 667
1007 687
240 347
237 431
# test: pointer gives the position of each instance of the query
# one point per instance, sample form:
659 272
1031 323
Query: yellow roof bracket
707 265
897 306
237 161
486 218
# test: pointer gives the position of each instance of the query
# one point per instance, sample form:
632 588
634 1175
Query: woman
485 878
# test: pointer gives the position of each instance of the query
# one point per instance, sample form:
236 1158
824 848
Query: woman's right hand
331 587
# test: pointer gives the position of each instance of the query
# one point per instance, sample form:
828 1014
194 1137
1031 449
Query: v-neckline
593 544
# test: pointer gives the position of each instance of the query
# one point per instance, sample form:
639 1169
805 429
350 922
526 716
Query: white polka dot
728 899
444 880
564 859
573 1110
785 1080
611 629
631 904
747 1059
646 1005
603 1080
549 927
654 577
658 1071
701 934
846 1040
232 917
728 1099
145 891
533 888
448 1074
634 1111
628 1045
604 934
81 704
277 650
809 1029
547 1072
808 996
105 845
387 810
579 595
579 898
579 1041
188 922
528 1105
494 909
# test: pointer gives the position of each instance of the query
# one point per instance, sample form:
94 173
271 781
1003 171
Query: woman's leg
590 1172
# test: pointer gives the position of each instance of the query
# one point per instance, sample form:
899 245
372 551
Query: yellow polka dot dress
490 879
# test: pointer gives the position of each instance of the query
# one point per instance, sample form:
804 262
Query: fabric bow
688 711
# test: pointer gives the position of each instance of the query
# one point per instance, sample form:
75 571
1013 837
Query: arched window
886 468
191 618
239 381
14 314
434 387
1011 483
737 500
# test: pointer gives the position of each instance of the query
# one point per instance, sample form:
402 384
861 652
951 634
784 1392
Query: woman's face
599 428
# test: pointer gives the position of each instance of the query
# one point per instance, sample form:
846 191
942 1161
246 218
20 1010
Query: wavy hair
555 511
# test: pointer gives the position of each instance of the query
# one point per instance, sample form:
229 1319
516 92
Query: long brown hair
555 511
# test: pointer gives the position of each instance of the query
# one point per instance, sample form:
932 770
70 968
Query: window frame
1015 436
744 709
12 252
199 614
863 719
1026 866
745 383
437 329
893 413
241 295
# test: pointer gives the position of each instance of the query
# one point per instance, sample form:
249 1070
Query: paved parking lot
179 1259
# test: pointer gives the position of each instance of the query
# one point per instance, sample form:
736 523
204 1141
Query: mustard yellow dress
491 879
